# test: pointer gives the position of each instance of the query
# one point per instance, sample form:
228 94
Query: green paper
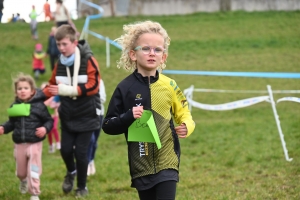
144 130
19 110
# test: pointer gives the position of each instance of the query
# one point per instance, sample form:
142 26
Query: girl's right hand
1 130
137 112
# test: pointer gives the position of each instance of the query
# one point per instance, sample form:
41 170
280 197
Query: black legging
76 145
162 191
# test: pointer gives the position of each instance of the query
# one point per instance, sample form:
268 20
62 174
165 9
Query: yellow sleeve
39 55
181 110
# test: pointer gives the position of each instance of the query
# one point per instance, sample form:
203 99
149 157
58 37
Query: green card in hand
144 130
19 110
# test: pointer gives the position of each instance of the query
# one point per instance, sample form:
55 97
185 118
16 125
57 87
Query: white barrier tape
230 105
192 89
247 91
295 99
189 90
243 103
241 74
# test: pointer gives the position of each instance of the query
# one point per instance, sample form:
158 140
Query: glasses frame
151 48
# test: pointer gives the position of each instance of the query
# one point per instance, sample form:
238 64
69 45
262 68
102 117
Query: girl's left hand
181 131
40 132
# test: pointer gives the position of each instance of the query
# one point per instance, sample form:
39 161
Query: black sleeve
8 126
117 120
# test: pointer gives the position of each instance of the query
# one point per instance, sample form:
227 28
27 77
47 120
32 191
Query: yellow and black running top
166 101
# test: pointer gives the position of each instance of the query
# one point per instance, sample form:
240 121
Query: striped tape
294 99
247 91
229 106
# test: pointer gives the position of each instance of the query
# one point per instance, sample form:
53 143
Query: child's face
24 91
53 29
66 47
149 54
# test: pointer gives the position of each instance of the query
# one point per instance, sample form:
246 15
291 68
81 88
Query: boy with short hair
75 79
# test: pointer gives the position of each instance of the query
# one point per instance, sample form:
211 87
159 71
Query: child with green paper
154 167
30 121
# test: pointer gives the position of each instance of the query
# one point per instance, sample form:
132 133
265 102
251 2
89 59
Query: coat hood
84 48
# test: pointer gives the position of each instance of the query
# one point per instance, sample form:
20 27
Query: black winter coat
24 127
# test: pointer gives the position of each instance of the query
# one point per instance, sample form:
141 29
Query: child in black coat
30 121
52 50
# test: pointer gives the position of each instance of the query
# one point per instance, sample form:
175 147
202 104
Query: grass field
234 154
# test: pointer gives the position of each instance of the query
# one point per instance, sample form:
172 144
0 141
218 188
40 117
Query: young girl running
154 171
30 121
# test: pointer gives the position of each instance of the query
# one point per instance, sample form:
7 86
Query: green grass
234 154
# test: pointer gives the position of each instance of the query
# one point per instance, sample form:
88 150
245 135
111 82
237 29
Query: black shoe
68 182
81 192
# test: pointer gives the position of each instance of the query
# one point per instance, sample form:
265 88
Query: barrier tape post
86 31
278 125
189 95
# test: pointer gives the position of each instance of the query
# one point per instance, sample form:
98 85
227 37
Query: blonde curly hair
128 41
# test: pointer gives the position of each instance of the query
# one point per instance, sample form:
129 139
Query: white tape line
228 106
294 99
247 91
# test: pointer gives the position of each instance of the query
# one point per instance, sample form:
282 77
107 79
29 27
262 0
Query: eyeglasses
147 50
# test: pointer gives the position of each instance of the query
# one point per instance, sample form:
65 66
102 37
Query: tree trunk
225 5
112 9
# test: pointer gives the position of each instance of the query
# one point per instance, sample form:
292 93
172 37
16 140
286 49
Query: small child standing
37 61
30 121
33 23
52 104
94 139
52 49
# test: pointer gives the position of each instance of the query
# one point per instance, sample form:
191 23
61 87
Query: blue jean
93 143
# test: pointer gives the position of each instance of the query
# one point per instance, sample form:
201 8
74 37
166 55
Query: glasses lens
146 50
158 51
